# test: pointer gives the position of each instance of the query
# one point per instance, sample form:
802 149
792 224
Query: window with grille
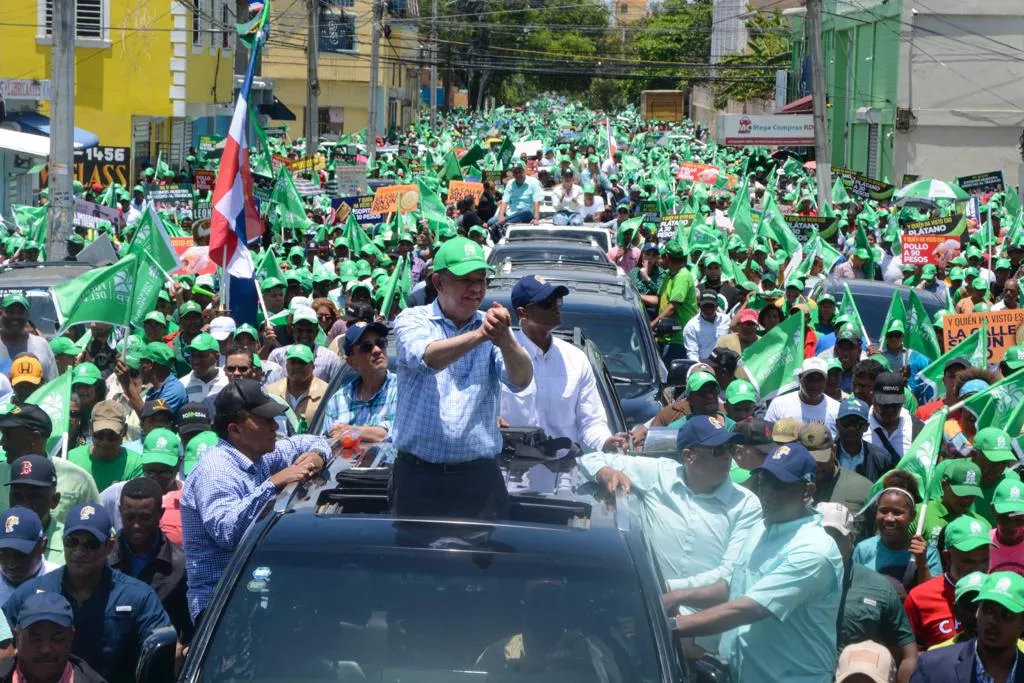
337 28
227 21
89 19
197 22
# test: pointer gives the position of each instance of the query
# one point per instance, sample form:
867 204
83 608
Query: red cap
96 187
747 315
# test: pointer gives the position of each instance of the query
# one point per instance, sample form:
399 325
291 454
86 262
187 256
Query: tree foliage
679 33
768 45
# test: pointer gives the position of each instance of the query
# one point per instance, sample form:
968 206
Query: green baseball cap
161 447
1008 498
848 332
62 346
956 274
739 391
299 352
895 327
928 272
246 328
674 250
862 253
1004 588
270 282
12 299
86 373
460 256
189 307
159 353
699 380
156 317
963 476
203 342
1003 263
971 583
967 533
1014 357
826 297
980 283
994 444
196 448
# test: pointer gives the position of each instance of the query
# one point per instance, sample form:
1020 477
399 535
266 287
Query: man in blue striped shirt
452 360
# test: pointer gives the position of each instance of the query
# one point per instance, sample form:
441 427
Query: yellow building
344 64
628 11
150 75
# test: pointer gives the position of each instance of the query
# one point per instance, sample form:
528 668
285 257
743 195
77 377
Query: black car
518 251
328 587
873 297
35 281
605 306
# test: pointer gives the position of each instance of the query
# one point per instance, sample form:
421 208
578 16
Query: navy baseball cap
33 470
532 289
20 529
356 331
45 607
789 463
706 431
91 517
853 407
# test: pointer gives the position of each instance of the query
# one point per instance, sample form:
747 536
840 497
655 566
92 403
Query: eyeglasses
367 346
237 369
89 543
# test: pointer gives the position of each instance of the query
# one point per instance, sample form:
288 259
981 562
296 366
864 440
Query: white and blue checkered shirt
345 407
450 415
222 497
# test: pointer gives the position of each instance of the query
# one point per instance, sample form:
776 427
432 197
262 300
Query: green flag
505 153
398 285
921 335
897 311
99 295
31 220
54 398
742 221
269 267
923 454
772 362
848 308
151 238
286 206
998 401
472 156
149 281
974 349
451 169
839 195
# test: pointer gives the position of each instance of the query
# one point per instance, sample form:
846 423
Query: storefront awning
24 143
37 124
804 105
277 111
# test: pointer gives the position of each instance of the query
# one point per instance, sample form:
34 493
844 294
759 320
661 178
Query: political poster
671 223
360 204
395 198
457 189
982 183
651 213
806 227
934 241
205 180
178 199
703 173
208 143
313 163
195 260
861 186
202 211
351 179
1002 330
909 178
88 214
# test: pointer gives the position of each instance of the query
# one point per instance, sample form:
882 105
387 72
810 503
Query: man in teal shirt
779 615
520 202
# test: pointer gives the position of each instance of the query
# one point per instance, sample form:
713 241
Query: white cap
835 516
814 364
868 659
223 327
205 281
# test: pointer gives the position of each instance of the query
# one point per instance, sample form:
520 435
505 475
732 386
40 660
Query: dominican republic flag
612 145
235 221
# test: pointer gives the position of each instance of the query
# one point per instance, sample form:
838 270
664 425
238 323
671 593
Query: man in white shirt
704 330
206 379
809 404
610 166
567 198
22 542
562 398
890 425
593 204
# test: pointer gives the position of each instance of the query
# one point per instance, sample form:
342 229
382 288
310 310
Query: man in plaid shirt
367 404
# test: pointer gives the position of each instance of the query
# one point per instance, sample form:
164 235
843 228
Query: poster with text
1002 330
934 241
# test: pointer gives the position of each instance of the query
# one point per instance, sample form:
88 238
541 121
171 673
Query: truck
664 105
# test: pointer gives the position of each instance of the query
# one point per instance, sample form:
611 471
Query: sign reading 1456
101 155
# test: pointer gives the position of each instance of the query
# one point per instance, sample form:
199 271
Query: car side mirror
677 372
156 661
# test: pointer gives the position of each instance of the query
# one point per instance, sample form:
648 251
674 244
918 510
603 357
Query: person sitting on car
367 404
562 399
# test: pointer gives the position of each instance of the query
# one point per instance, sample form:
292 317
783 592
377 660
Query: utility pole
313 91
62 130
433 65
821 140
371 110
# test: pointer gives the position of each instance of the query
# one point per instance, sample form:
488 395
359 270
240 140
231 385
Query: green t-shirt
680 290
74 485
872 611
127 465
937 516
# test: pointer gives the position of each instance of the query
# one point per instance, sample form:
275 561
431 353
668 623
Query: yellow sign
395 198
458 189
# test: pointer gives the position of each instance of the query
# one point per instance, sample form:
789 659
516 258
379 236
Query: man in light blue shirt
779 622
520 202
452 361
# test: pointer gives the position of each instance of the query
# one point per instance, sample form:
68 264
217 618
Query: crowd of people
853 522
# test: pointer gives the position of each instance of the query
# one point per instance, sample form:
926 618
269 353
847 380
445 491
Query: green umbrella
926 192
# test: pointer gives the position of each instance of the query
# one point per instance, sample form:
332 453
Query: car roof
576 279
41 275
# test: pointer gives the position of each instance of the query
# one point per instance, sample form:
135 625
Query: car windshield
41 311
519 254
431 616
618 339
599 236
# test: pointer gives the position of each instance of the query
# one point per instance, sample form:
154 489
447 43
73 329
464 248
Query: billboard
779 130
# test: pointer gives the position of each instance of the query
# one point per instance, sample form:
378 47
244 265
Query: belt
444 467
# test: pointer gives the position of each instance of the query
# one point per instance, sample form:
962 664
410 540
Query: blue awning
277 111
36 123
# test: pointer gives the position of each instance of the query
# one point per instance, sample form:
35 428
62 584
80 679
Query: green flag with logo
54 398
921 335
974 349
149 281
100 295
151 238
923 454
998 402
772 362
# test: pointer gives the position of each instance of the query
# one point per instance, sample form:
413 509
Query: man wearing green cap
976 293
206 379
677 302
856 266
931 283
1007 552
994 654
964 609
299 387
15 339
452 359
993 453
156 370
960 487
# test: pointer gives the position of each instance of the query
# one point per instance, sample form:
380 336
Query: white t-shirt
790 405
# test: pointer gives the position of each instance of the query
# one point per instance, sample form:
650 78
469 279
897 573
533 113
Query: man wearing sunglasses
366 405
563 399
115 613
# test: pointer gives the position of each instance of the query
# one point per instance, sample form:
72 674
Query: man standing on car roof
452 359
563 399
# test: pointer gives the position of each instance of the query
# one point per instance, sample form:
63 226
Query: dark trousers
474 489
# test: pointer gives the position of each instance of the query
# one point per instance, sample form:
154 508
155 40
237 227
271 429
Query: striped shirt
345 407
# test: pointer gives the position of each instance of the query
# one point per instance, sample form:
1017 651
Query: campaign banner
313 163
934 241
208 143
195 260
262 188
277 161
806 227
973 209
909 178
351 179
861 186
671 223
982 183
395 198
651 213
360 204
703 173
457 189
88 214
177 199
202 211
788 130
1002 330
205 180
